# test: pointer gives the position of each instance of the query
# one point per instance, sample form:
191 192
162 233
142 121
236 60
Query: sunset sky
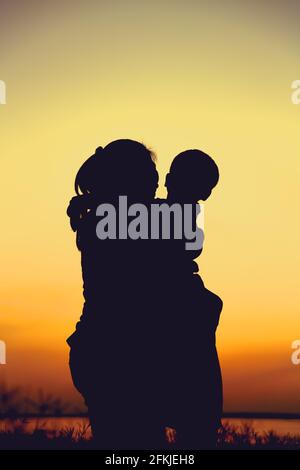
212 75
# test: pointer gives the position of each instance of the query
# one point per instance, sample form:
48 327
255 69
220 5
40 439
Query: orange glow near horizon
174 75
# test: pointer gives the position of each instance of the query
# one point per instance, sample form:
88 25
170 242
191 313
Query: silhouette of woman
111 341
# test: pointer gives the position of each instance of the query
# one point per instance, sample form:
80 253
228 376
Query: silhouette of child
193 377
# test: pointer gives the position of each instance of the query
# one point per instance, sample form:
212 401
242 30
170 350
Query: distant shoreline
261 415
229 415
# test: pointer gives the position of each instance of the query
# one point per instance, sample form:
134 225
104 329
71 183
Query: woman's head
123 167
89 174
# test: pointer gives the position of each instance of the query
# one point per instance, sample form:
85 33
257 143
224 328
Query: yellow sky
175 75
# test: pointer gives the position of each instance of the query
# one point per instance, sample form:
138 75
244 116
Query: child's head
193 175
